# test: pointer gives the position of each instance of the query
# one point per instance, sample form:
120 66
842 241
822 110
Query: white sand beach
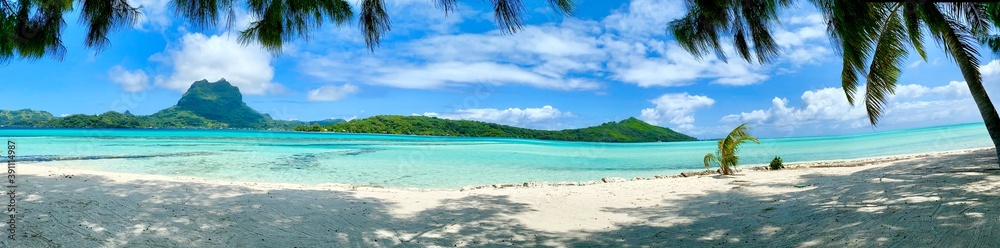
943 199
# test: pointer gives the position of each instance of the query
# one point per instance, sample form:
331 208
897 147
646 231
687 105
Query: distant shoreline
321 133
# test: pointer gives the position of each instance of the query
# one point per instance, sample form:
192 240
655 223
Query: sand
929 200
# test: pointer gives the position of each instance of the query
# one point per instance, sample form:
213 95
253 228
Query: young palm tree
861 31
30 29
729 146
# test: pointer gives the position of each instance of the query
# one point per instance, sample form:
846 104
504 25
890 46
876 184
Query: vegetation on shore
776 164
628 130
725 157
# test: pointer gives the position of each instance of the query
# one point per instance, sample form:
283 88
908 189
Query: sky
608 61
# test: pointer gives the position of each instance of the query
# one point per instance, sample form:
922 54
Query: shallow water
432 162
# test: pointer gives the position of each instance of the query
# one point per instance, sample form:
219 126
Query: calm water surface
432 162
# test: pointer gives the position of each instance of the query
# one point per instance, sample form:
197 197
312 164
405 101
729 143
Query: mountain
204 105
628 130
24 117
632 130
218 102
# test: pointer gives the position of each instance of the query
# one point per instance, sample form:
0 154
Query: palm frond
992 42
886 65
747 22
508 15
699 30
740 32
447 5
709 159
740 42
972 13
374 22
563 6
729 147
914 29
206 13
102 16
851 26
35 29
736 137
957 40
281 21
993 13
760 16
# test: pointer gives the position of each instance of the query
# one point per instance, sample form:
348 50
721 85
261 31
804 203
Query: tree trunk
988 112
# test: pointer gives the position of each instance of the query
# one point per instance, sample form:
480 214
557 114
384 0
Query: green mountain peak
220 102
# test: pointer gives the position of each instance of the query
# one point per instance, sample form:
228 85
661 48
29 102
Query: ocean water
432 162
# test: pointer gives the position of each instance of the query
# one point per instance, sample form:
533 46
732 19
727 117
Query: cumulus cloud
676 109
991 71
331 93
546 117
214 57
826 110
130 81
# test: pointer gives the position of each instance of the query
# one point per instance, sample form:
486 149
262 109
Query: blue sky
609 61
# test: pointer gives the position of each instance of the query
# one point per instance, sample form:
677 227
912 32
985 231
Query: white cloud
331 92
807 54
130 81
991 72
677 109
546 117
803 39
677 68
154 13
439 75
800 36
991 79
827 111
539 56
427 16
202 57
644 17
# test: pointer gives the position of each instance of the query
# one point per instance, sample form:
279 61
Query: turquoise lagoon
432 162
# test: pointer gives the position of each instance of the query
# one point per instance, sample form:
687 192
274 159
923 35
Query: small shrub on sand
776 163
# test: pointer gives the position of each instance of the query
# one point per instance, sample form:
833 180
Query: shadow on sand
933 202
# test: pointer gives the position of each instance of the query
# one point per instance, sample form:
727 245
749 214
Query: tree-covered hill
629 130
24 117
220 102
204 105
